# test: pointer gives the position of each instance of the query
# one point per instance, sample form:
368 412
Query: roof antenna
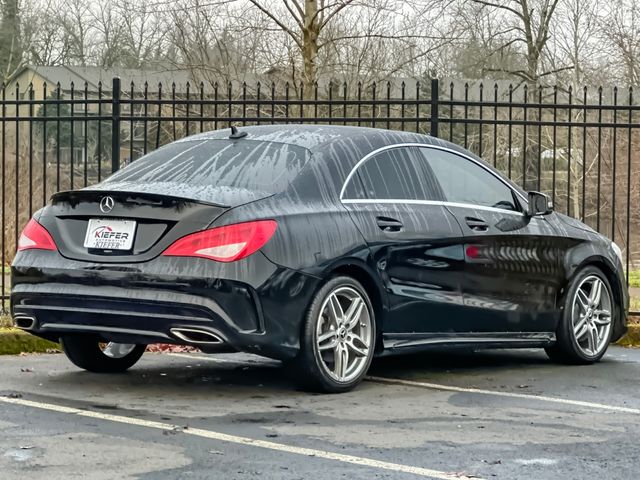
235 133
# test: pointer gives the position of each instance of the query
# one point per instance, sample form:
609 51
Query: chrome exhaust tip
195 335
24 322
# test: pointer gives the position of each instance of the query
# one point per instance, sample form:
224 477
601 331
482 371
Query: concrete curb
14 341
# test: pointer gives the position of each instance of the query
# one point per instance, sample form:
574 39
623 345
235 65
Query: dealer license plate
107 234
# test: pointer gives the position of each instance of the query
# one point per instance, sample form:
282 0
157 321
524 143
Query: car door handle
476 224
387 224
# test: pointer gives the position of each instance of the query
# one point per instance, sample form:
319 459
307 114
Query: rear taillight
35 236
224 244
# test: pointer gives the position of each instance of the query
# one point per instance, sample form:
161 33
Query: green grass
634 278
14 341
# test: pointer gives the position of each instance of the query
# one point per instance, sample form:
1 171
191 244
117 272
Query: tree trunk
310 33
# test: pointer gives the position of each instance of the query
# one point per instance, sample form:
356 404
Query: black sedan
321 246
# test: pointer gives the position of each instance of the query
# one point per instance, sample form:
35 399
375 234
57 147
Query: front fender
612 268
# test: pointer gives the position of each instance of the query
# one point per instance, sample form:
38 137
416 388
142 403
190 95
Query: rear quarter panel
311 236
314 229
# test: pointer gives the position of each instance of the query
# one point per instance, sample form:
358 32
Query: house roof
93 76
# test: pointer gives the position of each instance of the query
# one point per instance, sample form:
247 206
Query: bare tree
397 32
73 19
572 43
530 22
620 27
487 46
143 34
304 21
210 44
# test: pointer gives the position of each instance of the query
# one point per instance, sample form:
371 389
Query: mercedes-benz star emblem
106 204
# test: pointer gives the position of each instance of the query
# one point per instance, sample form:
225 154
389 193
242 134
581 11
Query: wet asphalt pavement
494 414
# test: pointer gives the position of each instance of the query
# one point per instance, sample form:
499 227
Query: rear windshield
262 167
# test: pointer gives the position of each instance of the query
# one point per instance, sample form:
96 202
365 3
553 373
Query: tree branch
413 59
380 36
497 5
286 29
330 16
298 20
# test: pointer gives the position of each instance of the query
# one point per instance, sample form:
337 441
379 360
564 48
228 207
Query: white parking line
223 437
542 398
451 388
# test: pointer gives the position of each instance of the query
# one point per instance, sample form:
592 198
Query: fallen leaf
167 348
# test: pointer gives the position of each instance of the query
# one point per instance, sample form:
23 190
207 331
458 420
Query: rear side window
395 174
258 166
463 181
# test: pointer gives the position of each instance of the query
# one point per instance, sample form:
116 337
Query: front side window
463 181
395 174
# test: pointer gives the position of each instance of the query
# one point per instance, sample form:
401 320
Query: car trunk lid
159 221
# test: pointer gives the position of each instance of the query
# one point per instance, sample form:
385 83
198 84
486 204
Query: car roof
352 141
315 137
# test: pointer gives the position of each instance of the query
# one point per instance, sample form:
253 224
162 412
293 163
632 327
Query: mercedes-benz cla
321 246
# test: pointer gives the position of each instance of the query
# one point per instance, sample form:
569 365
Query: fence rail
580 147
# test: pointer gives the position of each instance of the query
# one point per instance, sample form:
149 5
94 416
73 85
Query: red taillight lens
35 236
224 244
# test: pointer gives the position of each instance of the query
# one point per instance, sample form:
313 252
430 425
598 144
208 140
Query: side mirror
539 204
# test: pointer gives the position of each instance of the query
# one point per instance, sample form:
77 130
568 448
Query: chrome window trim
426 202
432 202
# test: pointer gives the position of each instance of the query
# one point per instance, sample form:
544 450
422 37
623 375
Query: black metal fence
581 147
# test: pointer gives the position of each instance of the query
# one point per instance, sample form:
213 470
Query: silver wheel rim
591 315
116 350
344 334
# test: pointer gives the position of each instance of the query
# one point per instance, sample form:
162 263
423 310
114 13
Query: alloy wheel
591 315
117 350
344 334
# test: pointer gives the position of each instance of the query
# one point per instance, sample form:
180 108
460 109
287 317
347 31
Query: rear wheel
585 330
89 353
338 338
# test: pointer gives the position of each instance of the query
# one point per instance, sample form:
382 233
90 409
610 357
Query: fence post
435 93
115 125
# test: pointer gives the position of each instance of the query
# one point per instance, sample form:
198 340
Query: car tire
86 352
329 330
579 312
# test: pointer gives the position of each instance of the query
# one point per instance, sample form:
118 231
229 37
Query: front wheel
89 353
338 338
585 330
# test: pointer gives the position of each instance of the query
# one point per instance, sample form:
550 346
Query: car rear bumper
252 305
